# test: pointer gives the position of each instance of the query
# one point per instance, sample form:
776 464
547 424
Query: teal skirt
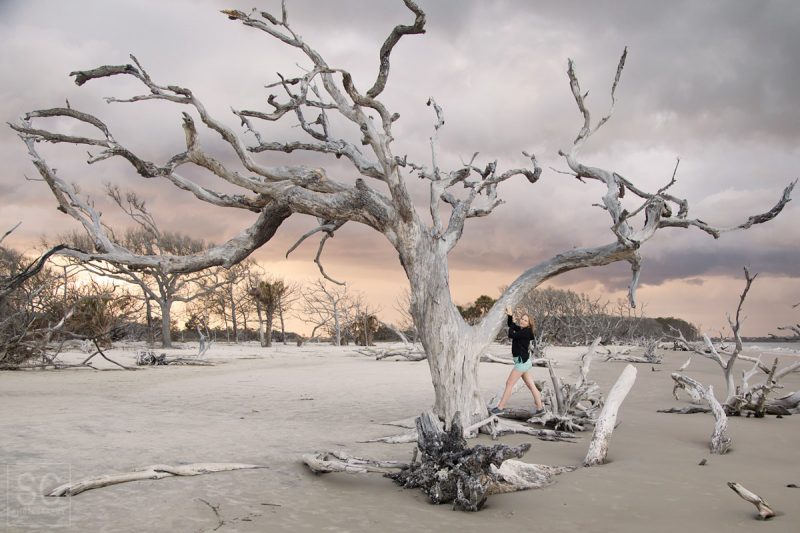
522 367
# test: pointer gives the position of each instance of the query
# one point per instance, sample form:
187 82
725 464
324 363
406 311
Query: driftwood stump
449 471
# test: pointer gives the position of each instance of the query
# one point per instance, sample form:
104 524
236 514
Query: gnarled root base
449 471
148 472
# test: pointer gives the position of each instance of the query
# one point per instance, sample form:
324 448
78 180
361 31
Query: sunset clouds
714 83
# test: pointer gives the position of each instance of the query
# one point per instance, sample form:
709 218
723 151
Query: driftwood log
573 407
598 448
720 441
765 512
148 472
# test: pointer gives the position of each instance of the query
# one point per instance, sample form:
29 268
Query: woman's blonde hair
531 320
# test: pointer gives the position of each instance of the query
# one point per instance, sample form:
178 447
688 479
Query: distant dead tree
320 95
746 398
403 306
327 307
157 285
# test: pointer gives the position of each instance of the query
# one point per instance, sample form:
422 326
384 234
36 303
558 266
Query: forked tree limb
148 472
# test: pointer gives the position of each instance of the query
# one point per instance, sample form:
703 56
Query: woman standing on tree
521 336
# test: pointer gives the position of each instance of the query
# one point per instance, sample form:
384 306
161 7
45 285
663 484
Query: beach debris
720 441
572 406
604 427
338 461
703 462
147 472
448 471
149 358
451 472
409 352
744 399
650 344
688 410
765 512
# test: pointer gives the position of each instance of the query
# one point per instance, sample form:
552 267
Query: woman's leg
537 398
512 378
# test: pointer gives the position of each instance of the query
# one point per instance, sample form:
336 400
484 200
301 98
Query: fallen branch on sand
337 461
409 352
606 422
149 358
720 441
147 472
765 512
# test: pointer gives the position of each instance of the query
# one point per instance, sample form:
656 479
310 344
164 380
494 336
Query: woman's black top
520 340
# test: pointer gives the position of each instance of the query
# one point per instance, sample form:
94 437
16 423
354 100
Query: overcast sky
712 82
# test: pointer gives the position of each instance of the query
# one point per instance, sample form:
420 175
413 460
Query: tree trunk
269 328
166 332
151 339
451 344
234 326
337 328
283 328
261 339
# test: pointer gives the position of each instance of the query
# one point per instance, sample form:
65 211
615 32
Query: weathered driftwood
765 512
604 427
572 407
755 399
513 475
409 352
787 404
449 471
649 355
694 395
489 358
337 461
491 426
149 358
515 413
720 441
688 410
148 472
505 427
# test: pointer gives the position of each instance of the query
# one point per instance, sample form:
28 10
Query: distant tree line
567 317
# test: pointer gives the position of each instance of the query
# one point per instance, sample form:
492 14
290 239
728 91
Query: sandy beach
269 406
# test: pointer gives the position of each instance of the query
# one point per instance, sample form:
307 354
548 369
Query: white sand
269 406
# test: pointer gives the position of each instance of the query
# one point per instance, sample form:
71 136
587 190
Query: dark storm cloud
714 82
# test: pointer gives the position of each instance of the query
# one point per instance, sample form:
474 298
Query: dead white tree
327 307
162 288
275 193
